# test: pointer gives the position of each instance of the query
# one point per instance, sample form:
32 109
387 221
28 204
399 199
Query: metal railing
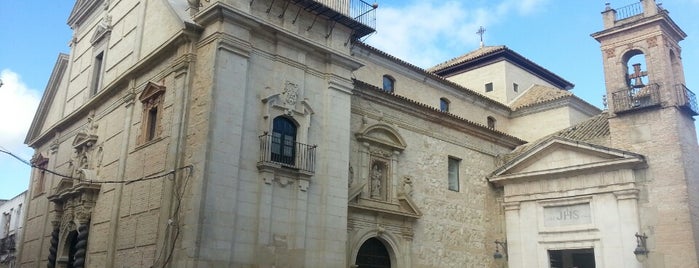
636 98
296 156
686 99
7 244
629 11
363 12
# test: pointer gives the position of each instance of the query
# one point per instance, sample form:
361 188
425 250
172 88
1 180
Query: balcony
7 244
627 100
357 15
296 156
686 100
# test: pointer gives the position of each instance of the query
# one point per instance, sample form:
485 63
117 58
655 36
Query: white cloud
17 105
423 32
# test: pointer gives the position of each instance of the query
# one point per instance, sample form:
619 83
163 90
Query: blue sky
553 33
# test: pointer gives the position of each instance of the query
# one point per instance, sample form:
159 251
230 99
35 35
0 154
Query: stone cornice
571 101
662 18
420 110
82 10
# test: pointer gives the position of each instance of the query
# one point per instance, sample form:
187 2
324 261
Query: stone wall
456 228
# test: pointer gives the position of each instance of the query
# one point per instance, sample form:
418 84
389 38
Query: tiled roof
594 130
538 94
489 54
466 57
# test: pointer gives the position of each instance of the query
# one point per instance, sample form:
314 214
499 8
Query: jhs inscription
567 215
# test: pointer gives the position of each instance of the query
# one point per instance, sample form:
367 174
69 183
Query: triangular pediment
100 33
151 90
560 157
46 105
81 10
84 140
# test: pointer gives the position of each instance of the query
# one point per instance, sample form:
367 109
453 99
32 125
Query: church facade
262 133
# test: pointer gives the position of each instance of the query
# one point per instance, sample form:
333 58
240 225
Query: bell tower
651 113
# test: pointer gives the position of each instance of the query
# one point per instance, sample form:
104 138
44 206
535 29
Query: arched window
444 105
491 122
283 147
389 83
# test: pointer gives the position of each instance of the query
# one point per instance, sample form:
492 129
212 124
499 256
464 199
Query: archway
373 254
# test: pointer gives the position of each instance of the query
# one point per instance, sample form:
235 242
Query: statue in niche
350 176
376 176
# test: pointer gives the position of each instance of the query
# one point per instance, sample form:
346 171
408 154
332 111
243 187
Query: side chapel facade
262 133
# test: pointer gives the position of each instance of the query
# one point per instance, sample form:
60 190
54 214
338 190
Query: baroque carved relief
610 53
652 41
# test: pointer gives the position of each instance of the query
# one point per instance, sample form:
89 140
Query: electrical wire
173 226
189 167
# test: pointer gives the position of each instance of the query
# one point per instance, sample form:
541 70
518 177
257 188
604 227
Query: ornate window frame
152 99
290 104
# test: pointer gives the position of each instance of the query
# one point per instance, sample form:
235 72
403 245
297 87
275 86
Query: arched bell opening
636 69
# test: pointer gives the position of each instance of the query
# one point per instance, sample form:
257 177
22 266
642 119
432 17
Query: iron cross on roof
636 76
480 32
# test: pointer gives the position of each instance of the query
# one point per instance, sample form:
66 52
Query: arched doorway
373 254
67 258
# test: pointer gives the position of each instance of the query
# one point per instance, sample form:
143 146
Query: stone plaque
577 214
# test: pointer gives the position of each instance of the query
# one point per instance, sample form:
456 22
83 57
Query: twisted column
54 247
81 246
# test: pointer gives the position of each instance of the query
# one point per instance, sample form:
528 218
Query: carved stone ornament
290 94
652 41
380 152
408 185
609 52
53 147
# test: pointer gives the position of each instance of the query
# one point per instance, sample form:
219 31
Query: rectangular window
454 174
152 123
488 87
515 87
97 73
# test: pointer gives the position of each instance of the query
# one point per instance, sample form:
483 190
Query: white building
11 223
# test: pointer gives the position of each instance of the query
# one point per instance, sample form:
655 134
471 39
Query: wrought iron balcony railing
358 15
636 98
363 12
686 99
294 155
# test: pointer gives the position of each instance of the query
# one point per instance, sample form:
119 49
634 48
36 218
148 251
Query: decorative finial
480 32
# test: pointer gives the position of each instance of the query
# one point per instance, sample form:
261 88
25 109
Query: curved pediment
382 134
